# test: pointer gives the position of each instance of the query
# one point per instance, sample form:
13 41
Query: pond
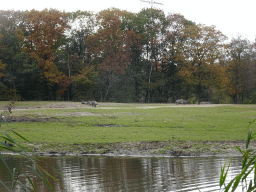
98 173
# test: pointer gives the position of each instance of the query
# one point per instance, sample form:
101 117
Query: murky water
76 174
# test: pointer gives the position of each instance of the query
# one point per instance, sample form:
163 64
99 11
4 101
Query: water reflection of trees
126 174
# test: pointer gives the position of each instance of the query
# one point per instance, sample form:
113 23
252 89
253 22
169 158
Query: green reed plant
15 174
248 167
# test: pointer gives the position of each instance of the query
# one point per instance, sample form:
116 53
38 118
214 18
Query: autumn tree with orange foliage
111 46
111 43
199 56
43 31
2 68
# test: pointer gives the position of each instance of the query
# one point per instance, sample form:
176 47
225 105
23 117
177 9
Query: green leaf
5 164
46 172
245 175
239 149
237 180
13 179
21 136
249 164
223 176
254 174
24 187
222 179
5 185
250 185
252 188
42 177
229 185
248 139
32 184
45 180
246 155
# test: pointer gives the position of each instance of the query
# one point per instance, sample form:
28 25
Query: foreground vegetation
247 176
194 128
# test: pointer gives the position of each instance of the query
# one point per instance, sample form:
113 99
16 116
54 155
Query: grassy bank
78 127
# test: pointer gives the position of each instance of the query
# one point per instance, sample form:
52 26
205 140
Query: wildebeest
181 101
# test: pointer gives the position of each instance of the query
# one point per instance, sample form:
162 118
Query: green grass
134 123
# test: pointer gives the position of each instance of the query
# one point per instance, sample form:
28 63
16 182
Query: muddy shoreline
161 149
154 149
138 154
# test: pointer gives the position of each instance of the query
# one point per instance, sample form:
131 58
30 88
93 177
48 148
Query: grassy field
83 128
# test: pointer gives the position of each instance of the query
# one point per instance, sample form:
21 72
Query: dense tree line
121 56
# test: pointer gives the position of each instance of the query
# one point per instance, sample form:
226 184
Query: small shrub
8 95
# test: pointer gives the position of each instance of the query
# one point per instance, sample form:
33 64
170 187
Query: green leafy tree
20 70
72 56
151 26
84 83
241 69
176 88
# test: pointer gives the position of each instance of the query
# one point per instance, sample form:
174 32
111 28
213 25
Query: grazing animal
203 102
181 101
94 103
9 144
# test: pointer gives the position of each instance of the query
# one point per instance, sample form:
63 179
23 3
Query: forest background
119 56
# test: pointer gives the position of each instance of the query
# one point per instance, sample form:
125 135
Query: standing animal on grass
203 102
92 103
181 101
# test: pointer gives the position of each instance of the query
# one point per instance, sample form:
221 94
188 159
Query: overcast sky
232 17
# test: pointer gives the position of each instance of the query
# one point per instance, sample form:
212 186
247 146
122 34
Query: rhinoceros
181 101
203 102
92 103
